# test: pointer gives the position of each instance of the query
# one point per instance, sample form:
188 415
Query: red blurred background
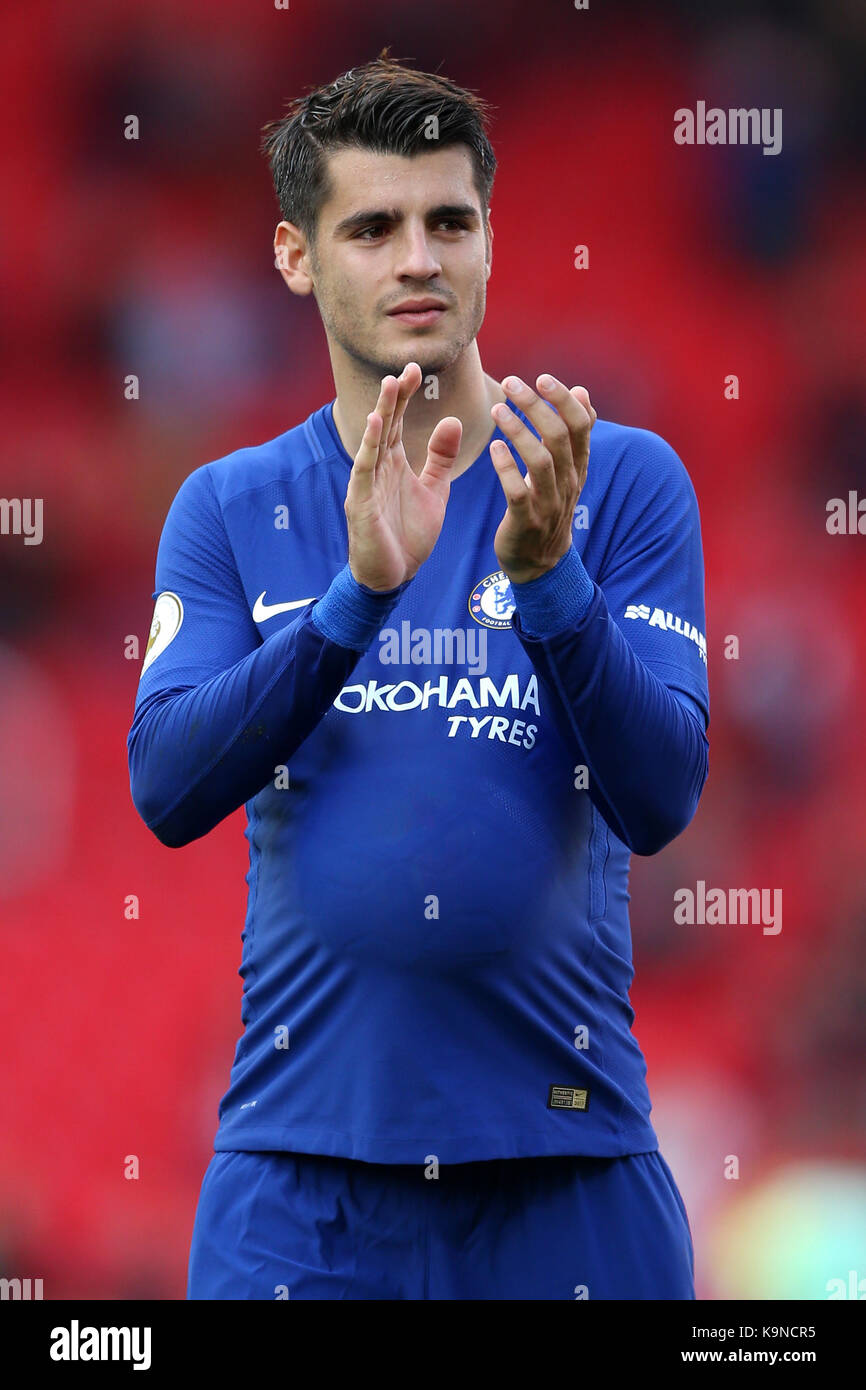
154 257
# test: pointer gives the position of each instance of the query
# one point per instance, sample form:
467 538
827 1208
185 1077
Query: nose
416 258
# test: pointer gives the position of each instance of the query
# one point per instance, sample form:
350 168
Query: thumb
442 450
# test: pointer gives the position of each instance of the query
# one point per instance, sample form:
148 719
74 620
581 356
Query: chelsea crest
491 602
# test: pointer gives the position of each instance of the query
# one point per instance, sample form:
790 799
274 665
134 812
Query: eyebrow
356 220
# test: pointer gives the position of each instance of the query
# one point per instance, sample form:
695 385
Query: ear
292 258
489 249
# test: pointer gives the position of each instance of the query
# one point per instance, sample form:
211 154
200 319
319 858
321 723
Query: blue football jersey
437 951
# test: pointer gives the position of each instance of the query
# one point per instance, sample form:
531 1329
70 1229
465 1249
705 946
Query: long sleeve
632 709
218 708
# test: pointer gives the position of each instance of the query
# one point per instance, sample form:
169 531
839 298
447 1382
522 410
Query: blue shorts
307 1226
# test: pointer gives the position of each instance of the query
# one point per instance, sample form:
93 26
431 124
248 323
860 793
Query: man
452 710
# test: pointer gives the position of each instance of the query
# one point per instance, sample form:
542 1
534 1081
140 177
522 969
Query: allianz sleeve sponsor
669 622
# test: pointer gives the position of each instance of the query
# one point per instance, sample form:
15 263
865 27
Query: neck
465 390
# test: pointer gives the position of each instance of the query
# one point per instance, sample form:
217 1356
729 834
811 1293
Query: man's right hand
394 515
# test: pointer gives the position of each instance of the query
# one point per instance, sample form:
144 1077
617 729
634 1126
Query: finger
581 394
443 447
364 468
385 406
408 385
551 425
579 415
535 453
517 494
561 421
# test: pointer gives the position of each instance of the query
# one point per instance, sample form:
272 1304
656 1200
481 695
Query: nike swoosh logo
262 611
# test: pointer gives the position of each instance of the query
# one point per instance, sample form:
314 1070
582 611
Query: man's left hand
536 531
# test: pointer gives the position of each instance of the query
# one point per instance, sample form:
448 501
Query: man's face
399 228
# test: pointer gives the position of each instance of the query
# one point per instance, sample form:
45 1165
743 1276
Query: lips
418 311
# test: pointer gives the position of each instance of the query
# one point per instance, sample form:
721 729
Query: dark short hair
384 107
